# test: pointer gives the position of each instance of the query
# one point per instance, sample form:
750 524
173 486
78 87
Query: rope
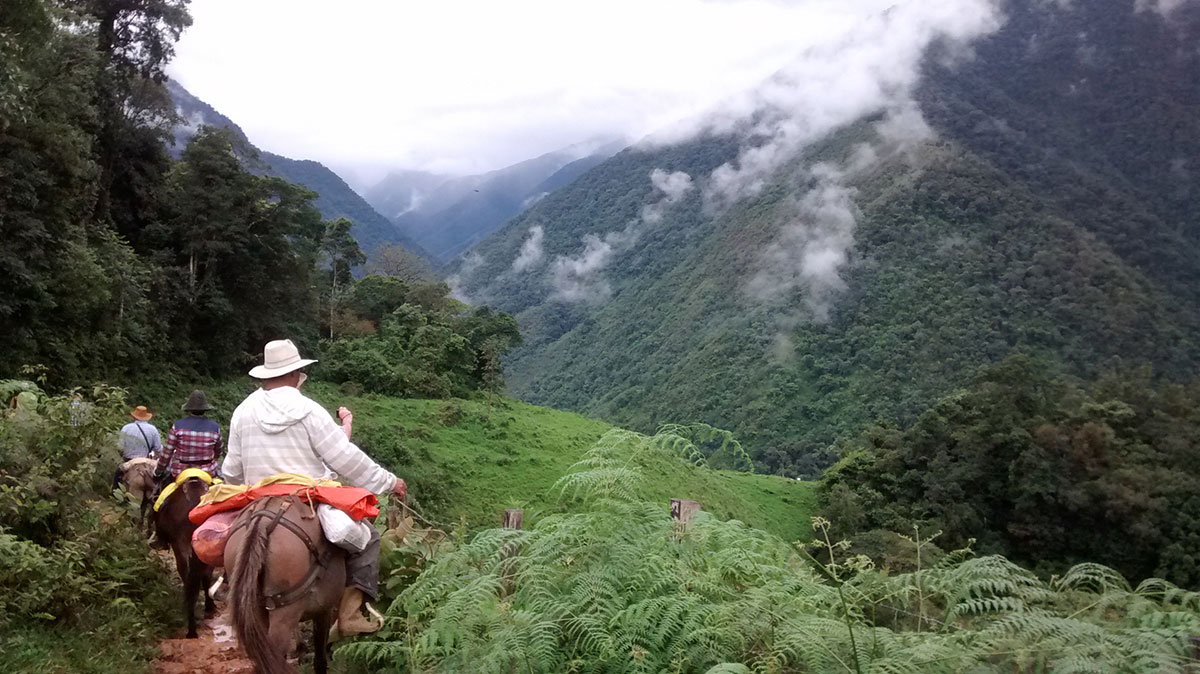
417 516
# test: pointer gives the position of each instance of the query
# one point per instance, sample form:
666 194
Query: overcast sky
465 86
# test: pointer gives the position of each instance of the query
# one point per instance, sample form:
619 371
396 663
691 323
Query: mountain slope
446 215
335 199
1027 221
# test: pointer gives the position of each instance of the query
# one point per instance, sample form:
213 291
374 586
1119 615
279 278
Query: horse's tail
250 619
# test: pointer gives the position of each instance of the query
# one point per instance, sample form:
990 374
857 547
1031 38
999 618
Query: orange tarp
354 501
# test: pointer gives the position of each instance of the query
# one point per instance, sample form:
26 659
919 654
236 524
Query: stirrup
374 614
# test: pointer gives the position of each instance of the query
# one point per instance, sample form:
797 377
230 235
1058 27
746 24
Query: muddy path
215 651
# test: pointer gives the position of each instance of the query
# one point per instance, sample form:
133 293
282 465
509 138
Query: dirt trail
214 652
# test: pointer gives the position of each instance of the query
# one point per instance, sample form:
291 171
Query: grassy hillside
467 461
1026 225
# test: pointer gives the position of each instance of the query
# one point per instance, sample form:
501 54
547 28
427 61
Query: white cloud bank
809 252
872 66
464 86
458 282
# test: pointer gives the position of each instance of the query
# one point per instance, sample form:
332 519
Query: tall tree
74 295
135 40
238 254
343 254
400 262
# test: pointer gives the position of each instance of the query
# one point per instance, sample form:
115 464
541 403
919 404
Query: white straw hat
279 358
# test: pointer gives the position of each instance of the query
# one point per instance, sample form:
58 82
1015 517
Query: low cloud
458 281
798 277
673 187
810 251
873 66
531 250
580 278
529 201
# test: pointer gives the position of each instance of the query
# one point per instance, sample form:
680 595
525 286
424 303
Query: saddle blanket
356 502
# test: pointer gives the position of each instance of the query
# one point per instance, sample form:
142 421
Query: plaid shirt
194 442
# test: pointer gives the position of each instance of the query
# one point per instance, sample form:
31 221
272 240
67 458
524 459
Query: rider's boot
351 620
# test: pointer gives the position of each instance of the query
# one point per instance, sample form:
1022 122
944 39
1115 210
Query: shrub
73 565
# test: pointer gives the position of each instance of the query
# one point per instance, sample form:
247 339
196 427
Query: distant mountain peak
447 214
335 199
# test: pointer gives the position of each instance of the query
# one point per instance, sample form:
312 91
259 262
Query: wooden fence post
512 518
682 509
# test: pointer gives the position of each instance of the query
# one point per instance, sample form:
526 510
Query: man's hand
400 489
347 418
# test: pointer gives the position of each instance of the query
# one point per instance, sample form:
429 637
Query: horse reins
320 558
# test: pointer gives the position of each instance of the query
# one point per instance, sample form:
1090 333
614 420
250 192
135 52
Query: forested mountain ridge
446 215
335 199
1035 213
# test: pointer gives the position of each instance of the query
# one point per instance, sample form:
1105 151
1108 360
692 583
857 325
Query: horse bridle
320 558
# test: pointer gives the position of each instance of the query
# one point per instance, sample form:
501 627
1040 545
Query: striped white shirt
282 431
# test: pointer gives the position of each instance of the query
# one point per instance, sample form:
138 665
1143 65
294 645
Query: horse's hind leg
191 589
321 625
284 630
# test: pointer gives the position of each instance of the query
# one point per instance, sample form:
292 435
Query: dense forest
123 263
1043 204
1038 469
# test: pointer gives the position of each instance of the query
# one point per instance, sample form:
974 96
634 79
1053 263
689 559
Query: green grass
466 461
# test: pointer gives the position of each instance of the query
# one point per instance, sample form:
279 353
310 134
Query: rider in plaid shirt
194 441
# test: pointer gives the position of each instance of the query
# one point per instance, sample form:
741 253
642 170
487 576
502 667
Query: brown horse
175 528
137 476
282 571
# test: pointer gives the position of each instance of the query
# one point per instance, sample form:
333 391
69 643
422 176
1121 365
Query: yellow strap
184 476
223 492
190 473
167 491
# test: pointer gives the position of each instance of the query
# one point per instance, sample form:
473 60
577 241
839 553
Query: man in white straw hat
276 430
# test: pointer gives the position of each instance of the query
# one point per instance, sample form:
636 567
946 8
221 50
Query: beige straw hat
279 358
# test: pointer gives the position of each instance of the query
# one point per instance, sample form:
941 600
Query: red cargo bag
208 540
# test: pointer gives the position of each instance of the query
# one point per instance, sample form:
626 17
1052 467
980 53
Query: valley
707 338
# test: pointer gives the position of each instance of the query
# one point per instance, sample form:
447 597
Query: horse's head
192 490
